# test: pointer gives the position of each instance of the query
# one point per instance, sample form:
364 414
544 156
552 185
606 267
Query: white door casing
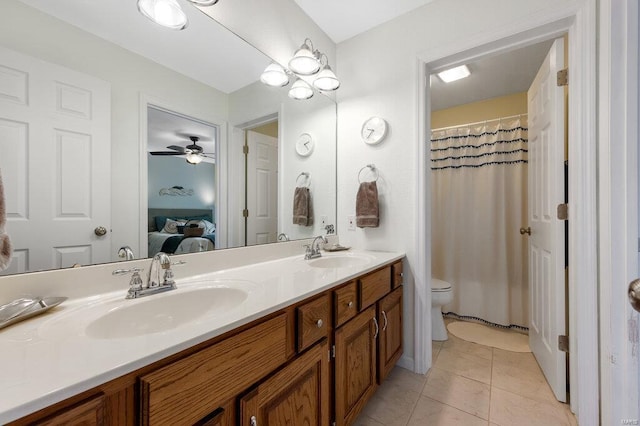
262 188
55 157
546 242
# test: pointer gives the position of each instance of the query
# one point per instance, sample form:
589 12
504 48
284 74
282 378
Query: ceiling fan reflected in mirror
193 152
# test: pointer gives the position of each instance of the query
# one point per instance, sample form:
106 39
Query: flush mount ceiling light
274 75
454 74
167 13
304 61
300 90
326 79
204 2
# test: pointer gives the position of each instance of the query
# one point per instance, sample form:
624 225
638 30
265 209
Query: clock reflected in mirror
304 145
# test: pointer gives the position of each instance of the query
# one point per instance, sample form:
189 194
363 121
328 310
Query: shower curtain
479 203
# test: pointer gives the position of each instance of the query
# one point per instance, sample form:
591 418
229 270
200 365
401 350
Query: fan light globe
300 90
204 2
274 75
193 158
326 80
167 13
304 61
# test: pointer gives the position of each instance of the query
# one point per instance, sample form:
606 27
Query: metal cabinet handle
384 315
350 304
526 230
375 321
634 294
254 421
319 323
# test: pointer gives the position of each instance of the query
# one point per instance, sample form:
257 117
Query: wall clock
374 130
304 145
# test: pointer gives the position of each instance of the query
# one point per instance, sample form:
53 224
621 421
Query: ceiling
228 64
341 19
494 76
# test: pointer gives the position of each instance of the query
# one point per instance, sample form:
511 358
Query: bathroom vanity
309 344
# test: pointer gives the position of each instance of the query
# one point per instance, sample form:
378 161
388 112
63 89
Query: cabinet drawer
313 321
345 303
396 274
88 412
189 389
374 287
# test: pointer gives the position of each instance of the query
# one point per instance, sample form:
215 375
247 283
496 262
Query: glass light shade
274 75
204 2
300 90
326 80
167 13
304 61
193 158
454 74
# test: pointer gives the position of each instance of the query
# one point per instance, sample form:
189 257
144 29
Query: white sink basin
111 316
340 261
153 315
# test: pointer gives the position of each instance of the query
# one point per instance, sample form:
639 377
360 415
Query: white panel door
55 159
262 188
546 242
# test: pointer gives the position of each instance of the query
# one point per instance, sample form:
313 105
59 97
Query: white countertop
49 358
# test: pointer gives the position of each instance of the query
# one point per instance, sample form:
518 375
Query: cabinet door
223 416
298 394
88 412
390 341
355 368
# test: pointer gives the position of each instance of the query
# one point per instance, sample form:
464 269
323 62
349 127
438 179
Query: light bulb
274 75
167 13
300 90
326 80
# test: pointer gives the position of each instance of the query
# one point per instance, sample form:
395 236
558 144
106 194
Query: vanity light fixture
274 75
305 60
300 90
326 79
193 158
454 74
204 2
167 13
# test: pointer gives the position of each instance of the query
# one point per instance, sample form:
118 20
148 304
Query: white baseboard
406 363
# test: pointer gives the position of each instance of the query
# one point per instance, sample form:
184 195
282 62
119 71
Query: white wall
167 171
378 71
29 31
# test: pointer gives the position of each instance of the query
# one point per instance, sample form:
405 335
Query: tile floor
469 384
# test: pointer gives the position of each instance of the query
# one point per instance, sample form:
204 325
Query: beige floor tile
434 413
464 364
527 383
407 379
391 405
459 392
471 348
509 409
523 360
364 420
434 354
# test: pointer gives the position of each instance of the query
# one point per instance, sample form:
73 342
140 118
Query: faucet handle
127 271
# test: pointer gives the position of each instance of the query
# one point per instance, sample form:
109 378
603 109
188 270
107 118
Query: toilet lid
439 285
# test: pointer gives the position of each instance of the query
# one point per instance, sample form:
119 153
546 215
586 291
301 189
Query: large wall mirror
116 132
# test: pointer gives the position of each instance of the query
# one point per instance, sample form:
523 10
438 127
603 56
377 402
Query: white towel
5 243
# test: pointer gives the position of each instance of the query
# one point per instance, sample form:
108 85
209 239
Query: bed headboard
206 214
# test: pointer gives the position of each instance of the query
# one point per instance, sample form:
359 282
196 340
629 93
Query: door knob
100 231
526 230
634 294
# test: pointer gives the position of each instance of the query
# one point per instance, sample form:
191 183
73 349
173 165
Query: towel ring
306 175
373 169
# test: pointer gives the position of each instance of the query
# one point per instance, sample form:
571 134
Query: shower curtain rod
478 122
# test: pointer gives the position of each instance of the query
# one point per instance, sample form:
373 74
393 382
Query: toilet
441 294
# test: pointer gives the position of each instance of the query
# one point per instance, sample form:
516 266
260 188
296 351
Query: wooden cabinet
355 365
397 276
88 412
374 286
223 416
345 303
314 321
298 394
390 339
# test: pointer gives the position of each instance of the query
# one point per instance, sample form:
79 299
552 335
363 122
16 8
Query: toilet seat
439 285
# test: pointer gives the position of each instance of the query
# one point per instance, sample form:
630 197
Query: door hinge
245 149
563 211
333 351
245 213
563 77
563 343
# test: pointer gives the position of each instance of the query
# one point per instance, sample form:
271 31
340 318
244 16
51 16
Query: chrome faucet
159 279
313 250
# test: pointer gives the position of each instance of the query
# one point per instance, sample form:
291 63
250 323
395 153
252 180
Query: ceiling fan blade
178 148
165 153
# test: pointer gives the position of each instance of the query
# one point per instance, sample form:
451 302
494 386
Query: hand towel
5 243
367 215
302 207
